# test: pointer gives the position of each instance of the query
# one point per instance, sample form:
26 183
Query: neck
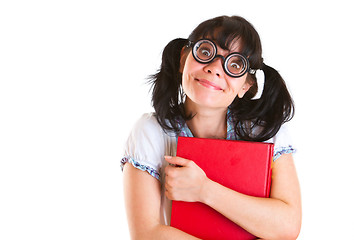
207 122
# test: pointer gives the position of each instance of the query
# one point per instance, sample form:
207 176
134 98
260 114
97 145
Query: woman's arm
143 199
277 217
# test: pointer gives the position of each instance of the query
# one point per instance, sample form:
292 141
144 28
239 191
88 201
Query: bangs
226 31
222 31
224 39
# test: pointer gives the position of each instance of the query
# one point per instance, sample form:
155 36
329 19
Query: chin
209 102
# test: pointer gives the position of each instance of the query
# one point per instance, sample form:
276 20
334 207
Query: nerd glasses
235 64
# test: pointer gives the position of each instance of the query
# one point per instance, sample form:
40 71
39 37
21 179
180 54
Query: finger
167 169
169 173
168 195
177 161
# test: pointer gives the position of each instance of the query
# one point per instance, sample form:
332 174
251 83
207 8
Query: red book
239 165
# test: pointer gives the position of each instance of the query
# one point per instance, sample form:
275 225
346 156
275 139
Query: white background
73 77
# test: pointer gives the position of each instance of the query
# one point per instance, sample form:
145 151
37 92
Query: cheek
235 87
189 64
189 68
187 84
235 84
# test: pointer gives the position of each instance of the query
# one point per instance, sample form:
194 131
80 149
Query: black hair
255 120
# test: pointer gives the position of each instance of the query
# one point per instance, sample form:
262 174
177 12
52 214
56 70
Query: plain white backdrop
73 82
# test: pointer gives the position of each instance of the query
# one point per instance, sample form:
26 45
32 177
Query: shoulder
146 131
146 145
283 143
147 122
148 126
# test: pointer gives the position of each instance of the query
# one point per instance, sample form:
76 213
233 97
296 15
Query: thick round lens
236 64
204 50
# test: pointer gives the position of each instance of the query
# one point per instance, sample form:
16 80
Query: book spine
269 180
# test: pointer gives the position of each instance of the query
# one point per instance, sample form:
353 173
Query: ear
245 87
184 54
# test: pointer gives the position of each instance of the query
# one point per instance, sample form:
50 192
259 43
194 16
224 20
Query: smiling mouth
208 84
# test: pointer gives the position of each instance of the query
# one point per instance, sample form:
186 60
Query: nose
215 67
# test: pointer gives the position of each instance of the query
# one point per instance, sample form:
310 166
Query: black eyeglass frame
225 59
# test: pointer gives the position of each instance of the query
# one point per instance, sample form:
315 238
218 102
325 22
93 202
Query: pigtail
167 92
260 120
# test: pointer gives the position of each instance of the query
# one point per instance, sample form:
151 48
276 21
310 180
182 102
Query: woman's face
208 85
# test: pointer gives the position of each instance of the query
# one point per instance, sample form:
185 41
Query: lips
209 84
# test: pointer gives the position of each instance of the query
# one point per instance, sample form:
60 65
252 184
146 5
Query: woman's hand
184 180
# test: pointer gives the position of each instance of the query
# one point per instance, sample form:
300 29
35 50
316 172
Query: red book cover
239 165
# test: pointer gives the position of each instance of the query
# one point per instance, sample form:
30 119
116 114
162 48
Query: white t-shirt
148 143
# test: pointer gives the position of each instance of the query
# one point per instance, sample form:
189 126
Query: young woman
212 85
